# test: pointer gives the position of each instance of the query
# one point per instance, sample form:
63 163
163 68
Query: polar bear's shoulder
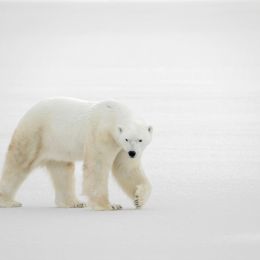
112 108
112 105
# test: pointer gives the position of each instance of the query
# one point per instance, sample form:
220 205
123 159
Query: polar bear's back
59 123
72 109
63 123
58 108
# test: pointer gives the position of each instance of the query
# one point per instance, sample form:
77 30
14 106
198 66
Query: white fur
59 131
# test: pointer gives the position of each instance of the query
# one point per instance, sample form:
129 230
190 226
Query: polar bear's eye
126 139
140 140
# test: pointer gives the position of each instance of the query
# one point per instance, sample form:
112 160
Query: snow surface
191 69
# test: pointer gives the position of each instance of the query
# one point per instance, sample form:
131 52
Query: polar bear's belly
64 145
61 152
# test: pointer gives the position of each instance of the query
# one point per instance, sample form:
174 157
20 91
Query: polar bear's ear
150 129
120 129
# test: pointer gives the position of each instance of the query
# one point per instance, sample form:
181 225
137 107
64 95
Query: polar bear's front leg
95 183
130 176
62 175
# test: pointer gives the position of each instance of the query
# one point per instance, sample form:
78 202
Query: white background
192 70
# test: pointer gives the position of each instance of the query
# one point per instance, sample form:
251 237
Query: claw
116 207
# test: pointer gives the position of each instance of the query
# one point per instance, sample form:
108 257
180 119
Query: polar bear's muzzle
132 154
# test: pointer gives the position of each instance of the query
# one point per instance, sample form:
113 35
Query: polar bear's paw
138 202
80 205
73 204
96 206
141 195
9 203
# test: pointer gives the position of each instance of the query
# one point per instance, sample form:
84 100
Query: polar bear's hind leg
21 157
12 178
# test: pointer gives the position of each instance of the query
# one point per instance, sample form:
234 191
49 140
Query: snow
192 70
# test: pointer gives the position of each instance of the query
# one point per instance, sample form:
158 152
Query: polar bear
59 131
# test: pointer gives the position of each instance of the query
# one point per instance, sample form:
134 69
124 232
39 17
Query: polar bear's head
133 139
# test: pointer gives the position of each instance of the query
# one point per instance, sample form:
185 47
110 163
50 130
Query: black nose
132 154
